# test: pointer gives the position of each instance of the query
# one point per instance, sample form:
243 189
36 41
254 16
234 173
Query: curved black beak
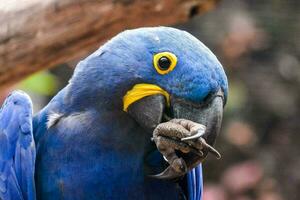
150 111
209 113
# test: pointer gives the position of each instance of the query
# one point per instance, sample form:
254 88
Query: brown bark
36 34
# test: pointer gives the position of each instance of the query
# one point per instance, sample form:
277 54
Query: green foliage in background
42 83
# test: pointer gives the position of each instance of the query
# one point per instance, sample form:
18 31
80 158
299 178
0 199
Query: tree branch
35 34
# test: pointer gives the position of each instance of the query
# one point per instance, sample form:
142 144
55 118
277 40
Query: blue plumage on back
17 150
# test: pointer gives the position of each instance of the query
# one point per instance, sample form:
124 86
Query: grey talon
199 133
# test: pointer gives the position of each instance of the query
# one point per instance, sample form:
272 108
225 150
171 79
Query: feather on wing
17 148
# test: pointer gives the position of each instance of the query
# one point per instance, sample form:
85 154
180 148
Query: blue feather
17 151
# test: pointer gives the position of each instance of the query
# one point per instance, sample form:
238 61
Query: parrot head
155 74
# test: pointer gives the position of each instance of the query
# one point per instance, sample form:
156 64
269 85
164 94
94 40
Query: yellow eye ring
164 62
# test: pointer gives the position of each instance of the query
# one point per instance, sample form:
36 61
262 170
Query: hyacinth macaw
93 139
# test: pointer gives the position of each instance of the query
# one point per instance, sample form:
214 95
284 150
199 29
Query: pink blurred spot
242 177
214 192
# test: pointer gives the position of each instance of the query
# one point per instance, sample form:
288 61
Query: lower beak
148 111
152 110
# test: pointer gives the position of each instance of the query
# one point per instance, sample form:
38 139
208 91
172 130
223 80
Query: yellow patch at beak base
142 90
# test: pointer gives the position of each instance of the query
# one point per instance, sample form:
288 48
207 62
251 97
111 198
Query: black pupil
164 63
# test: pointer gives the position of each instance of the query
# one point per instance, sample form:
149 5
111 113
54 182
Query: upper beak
209 113
150 111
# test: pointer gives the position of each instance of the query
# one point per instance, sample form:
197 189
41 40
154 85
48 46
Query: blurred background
258 43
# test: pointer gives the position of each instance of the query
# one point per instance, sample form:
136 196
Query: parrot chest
105 161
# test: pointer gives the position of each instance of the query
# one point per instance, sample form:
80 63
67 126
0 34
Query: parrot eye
164 62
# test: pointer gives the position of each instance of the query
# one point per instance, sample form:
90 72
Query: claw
199 133
165 159
210 149
178 168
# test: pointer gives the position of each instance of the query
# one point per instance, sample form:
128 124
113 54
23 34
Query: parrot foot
181 143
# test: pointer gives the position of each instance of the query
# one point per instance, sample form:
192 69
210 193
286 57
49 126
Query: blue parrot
93 139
